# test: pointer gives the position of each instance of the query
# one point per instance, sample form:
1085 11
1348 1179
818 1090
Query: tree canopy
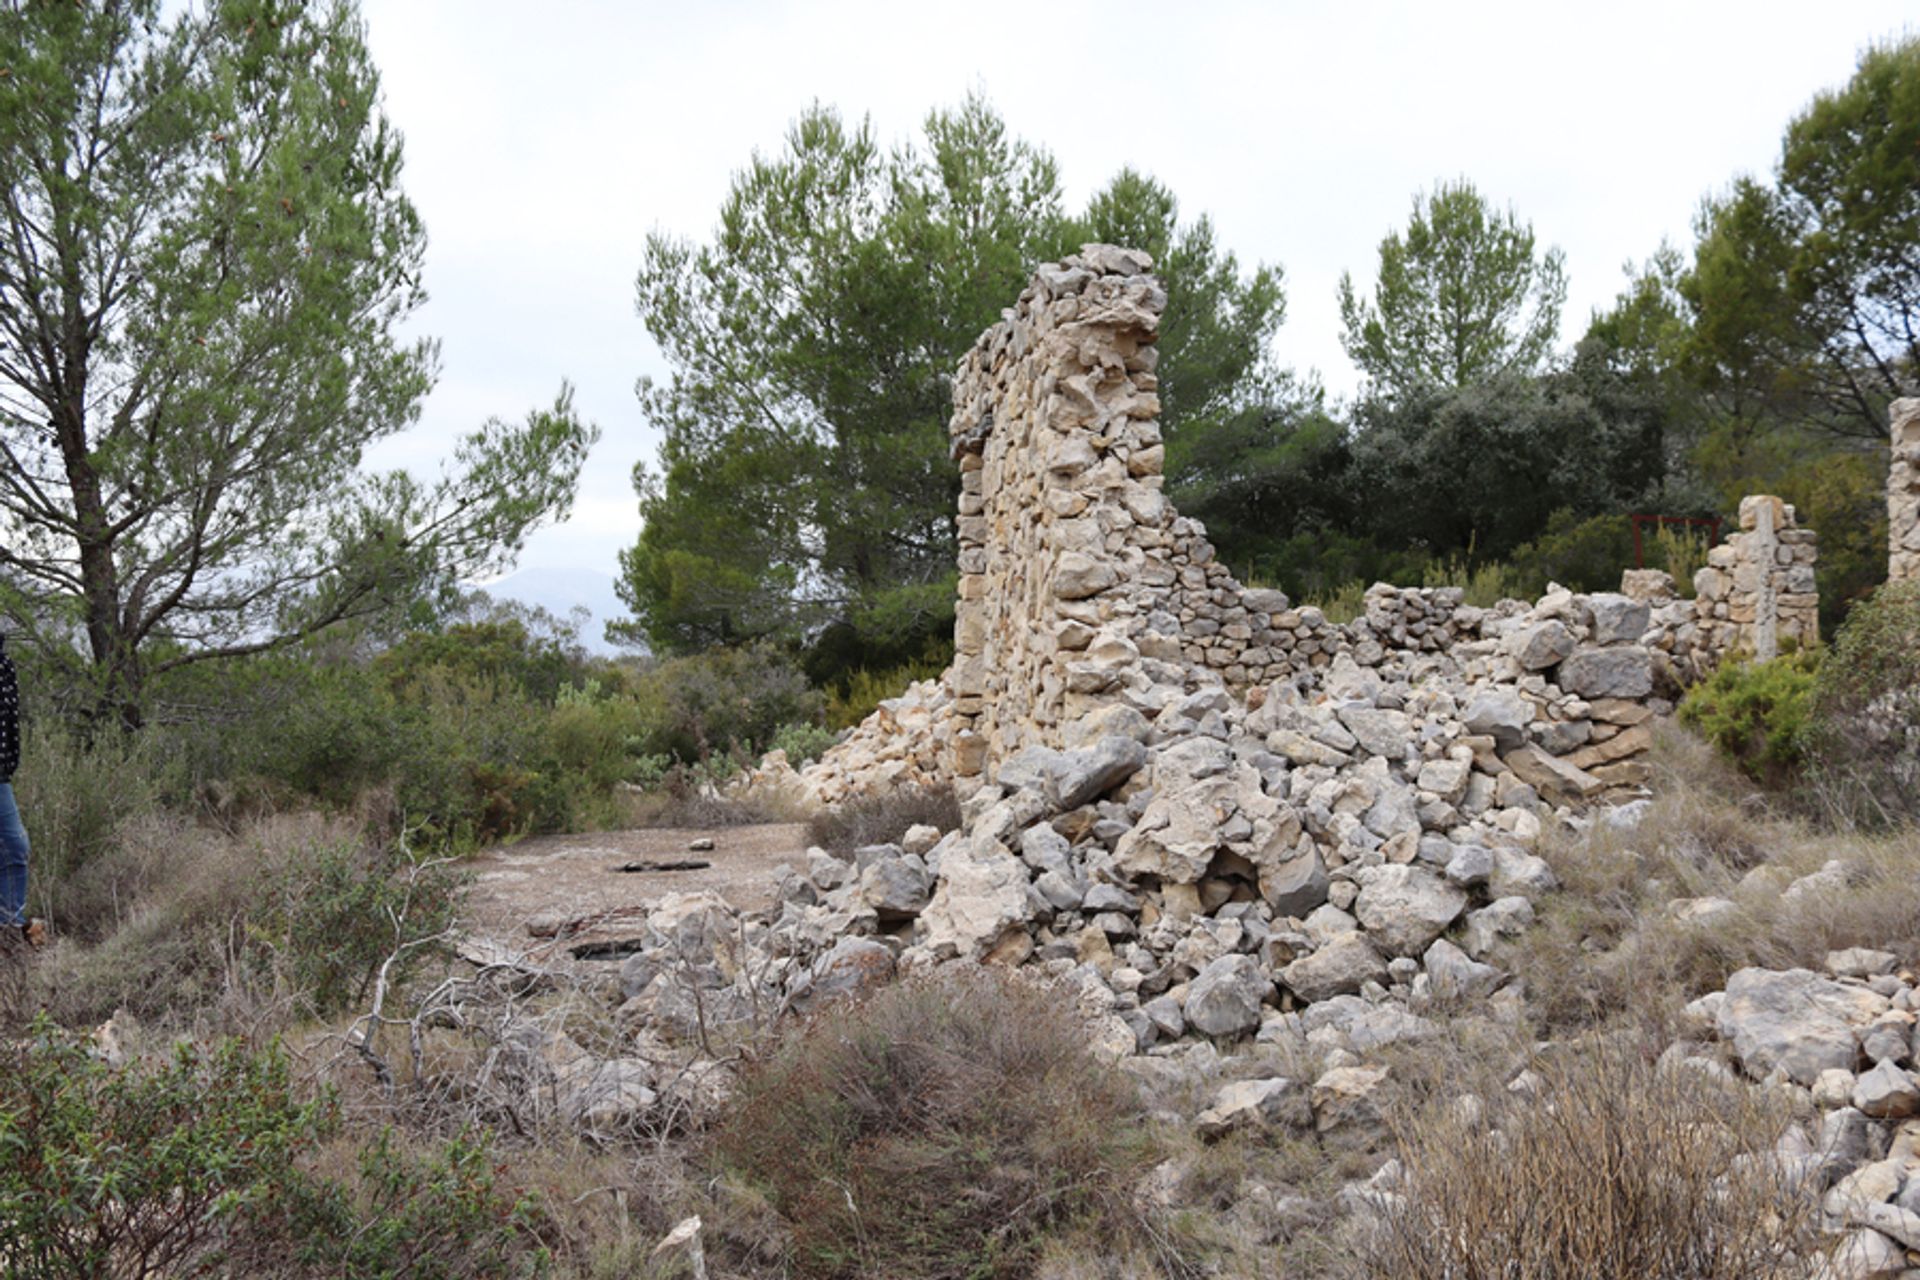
1461 297
803 488
205 258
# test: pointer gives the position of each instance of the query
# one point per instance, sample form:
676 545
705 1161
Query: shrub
861 692
211 1163
693 707
942 1128
1621 1168
1757 713
136 1172
74 798
403 1214
884 818
299 907
1866 709
802 742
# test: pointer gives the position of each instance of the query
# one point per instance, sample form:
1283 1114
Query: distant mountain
560 591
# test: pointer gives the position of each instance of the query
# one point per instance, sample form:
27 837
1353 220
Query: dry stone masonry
1757 589
1903 493
1089 606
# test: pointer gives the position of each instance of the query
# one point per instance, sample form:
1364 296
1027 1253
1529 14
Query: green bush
137 1172
74 798
803 742
211 1163
725 700
944 1127
1866 712
856 696
297 908
405 1214
1757 713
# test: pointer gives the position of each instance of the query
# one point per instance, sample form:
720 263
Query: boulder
1225 999
1247 1104
1618 619
1341 966
981 898
1348 1096
1404 908
1501 714
1795 1020
1888 1092
897 888
1623 671
1538 645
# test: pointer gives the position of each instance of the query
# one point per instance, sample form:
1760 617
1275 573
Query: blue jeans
13 861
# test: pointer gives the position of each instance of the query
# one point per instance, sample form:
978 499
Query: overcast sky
544 141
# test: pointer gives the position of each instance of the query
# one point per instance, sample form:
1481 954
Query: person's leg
13 861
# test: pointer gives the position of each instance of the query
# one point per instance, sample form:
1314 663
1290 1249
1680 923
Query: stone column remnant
1758 587
1903 493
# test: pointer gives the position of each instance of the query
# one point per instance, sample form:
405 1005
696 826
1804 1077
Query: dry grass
1619 1170
944 1128
883 819
1608 946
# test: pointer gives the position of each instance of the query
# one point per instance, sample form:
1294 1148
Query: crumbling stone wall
1087 604
1758 588
1077 575
1903 493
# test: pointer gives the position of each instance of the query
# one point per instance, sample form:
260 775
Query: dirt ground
552 895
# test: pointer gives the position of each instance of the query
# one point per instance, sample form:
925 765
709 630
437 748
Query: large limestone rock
1404 908
1625 671
1796 1021
1225 999
1340 967
981 898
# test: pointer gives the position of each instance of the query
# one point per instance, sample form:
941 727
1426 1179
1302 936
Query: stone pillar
1758 587
1903 493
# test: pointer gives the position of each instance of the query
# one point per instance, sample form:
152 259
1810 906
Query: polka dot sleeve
9 720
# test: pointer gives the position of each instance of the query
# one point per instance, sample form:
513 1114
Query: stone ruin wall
1903 493
1082 588
1757 589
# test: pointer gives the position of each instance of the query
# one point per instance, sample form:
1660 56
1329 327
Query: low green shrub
404 1213
944 1127
802 742
74 797
1865 734
724 700
861 692
137 1172
1757 713
212 1163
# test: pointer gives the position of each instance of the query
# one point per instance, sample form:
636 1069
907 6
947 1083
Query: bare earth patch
547 896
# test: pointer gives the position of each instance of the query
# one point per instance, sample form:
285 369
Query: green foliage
941 1128
708 703
803 489
205 222
337 910
1806 293
206 1164
137 1172
1461 298
1866 730
73 799
803 742
860 692
408 1215
1757 713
